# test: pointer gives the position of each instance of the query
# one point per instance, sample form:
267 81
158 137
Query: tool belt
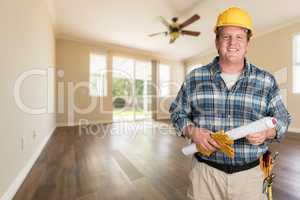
229 169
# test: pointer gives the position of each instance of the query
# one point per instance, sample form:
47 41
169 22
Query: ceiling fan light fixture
175 28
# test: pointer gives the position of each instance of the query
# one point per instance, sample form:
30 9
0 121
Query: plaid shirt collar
216 69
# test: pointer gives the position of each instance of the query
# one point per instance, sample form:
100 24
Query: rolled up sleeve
278 110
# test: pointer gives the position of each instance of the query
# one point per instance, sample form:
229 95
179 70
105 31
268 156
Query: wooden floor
131 161
287 170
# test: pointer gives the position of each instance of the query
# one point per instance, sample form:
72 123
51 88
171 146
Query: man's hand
202 137
260 137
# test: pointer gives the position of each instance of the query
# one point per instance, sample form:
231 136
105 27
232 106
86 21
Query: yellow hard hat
234 16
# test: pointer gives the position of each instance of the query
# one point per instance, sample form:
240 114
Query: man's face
232 44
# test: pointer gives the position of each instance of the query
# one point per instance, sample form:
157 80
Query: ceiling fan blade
189 21
191 33
164 21
172 40
160 33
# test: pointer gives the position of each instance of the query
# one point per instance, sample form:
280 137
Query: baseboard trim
294 130
18 181
162 118
65 124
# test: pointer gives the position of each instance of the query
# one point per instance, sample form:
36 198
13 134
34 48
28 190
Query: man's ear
217 44
248 46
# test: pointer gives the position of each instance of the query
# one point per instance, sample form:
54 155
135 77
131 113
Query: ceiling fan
175 29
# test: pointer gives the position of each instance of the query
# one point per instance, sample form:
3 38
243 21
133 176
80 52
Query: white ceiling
128 22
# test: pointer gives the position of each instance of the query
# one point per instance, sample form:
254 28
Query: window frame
166 83
101 91
296 65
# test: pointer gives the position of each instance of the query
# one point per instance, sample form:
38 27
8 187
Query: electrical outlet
34 134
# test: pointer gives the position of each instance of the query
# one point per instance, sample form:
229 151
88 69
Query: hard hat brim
234 24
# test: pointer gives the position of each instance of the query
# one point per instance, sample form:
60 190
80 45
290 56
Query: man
225 94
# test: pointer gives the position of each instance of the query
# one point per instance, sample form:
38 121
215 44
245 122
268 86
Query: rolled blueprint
253 127
240 132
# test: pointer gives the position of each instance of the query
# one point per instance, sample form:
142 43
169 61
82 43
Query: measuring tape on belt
266 164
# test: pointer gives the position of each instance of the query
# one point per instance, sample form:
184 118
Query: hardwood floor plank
127 166
143 163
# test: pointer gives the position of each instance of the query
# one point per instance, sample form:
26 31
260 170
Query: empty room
150 100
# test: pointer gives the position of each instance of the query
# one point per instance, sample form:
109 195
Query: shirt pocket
203 103
255 107
204 112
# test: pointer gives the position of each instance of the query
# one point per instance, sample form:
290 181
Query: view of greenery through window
131 89
122 87
125 103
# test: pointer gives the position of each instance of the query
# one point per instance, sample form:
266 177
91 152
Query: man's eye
225 37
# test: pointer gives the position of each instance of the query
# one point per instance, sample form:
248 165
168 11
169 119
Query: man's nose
232 40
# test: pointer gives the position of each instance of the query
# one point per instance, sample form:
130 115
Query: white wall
73 58
27 42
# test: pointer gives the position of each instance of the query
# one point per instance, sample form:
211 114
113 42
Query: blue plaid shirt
205 101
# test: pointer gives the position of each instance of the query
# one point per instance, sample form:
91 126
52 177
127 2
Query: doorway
131 89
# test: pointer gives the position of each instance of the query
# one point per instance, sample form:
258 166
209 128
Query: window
98 72
296 64
164 80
